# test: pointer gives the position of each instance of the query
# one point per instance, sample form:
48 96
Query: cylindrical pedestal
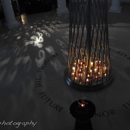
115 6
82 110
9 14
62 9
83 125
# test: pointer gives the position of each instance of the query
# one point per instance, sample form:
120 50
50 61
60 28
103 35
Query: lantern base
88 88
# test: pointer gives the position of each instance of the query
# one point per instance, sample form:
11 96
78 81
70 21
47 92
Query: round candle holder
83 114
89 65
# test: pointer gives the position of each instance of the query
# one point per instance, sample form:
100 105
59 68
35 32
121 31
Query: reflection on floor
24 49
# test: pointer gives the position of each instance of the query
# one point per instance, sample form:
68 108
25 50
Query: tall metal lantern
89 64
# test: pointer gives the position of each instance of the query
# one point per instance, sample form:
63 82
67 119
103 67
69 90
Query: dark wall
36 6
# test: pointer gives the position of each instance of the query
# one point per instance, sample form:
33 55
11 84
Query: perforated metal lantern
89 65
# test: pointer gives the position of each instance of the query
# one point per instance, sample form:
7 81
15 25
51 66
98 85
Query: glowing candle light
76 78
72 74
87 80
73 68
99 73
82 105
91 72
88 75
95 70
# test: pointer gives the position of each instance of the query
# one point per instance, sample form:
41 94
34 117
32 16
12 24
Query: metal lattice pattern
88 56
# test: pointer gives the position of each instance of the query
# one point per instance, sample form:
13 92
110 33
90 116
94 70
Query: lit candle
95 70
76 78
88 75
87 80
99 73
91 63
82 105
73 68
91 72
72 74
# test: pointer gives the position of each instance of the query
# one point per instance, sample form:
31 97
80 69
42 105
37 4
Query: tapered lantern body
89 64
